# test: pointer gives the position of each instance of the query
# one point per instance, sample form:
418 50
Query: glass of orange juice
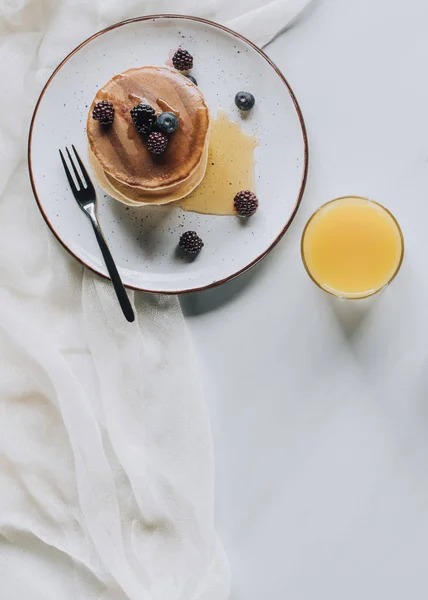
352 247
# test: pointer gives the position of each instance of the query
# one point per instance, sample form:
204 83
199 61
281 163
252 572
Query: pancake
120 152
134 196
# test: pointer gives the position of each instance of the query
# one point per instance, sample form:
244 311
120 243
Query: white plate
143 241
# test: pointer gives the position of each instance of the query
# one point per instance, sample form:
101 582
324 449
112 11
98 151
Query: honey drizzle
230 169
166 107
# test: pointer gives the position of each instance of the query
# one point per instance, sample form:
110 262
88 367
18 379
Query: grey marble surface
319 407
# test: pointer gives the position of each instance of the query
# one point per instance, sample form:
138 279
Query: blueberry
167 122
244 100
192 79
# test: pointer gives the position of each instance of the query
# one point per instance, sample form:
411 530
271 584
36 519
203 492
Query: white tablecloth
106 463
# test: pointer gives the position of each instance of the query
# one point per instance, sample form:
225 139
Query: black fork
86 199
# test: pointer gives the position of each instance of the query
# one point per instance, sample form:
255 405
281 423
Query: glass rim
356 296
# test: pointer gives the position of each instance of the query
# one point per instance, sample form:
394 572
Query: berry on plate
246 203
182 60
190 242
244 100
192 79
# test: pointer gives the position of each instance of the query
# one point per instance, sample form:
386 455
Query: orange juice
352 247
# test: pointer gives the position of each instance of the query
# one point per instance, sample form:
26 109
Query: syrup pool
230 169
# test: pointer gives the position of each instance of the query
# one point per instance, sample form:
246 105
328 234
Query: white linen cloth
106 463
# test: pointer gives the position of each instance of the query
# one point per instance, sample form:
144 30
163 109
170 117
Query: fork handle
121 294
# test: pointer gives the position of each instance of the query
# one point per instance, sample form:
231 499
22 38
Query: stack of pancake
124 167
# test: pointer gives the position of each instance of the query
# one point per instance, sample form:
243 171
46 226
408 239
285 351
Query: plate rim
280 75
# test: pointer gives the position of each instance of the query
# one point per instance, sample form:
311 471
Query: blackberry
244 100
245 203
103 112
191 242
144 118
167 122
182 60
192 79
157 142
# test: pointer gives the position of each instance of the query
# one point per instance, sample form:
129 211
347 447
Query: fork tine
84 172
67 172
76 172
